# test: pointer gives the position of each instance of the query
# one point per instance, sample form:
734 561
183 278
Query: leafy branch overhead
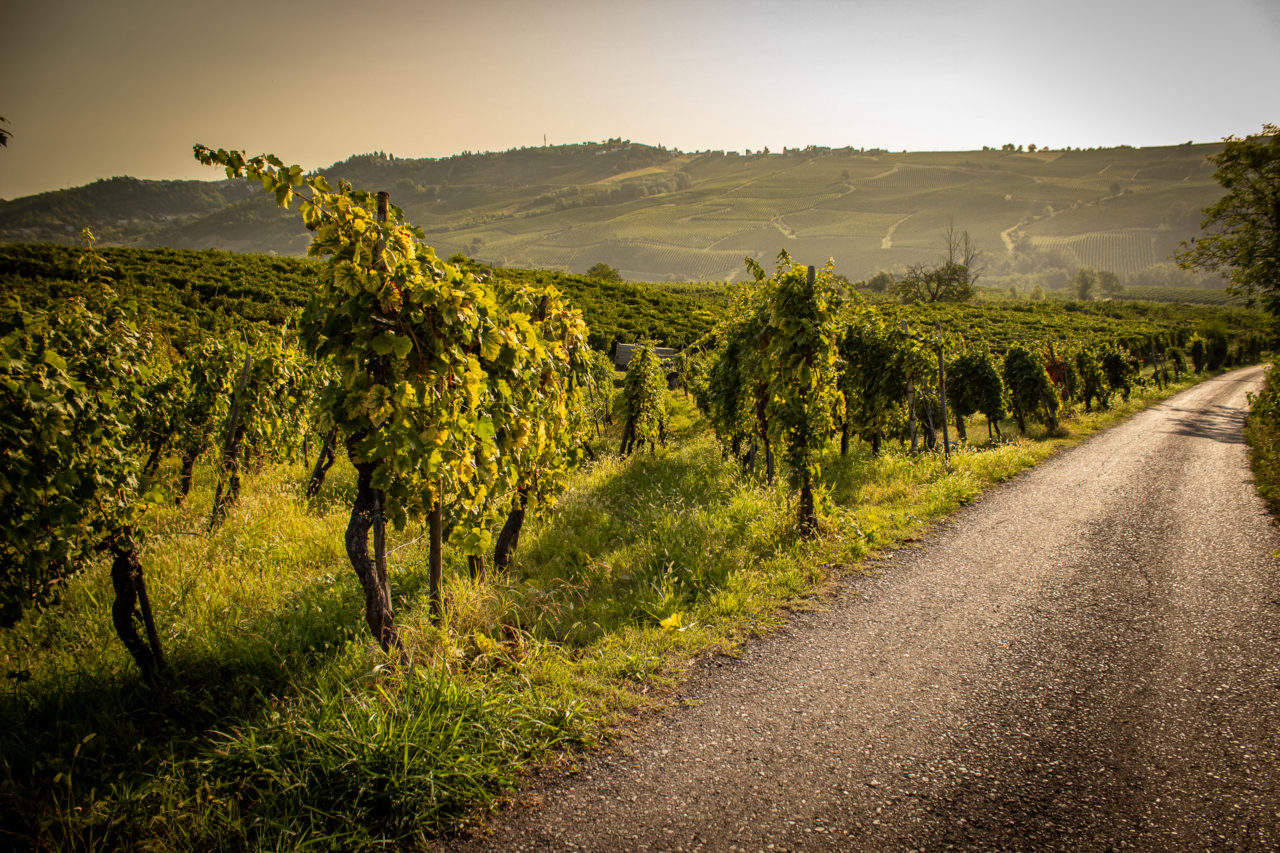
1244 225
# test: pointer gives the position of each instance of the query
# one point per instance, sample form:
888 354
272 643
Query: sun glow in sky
94 90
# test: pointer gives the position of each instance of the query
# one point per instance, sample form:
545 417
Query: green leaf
484 429
490 346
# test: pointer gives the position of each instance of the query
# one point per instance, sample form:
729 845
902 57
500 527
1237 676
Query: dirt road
1088 658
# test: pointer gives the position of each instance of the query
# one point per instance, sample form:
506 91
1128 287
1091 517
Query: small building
622 354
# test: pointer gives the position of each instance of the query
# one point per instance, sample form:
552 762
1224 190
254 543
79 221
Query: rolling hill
658 214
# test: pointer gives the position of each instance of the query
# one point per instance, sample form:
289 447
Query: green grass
283 726
1187 295
1262 431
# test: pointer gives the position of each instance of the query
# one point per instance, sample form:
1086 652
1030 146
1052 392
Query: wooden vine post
942 392
942 388
230 468
808 512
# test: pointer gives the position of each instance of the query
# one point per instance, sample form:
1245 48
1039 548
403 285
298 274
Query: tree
771 377
1216 344
604 272
540 462
950 281
1243 227
733 395
1109 284
1085 283
881 281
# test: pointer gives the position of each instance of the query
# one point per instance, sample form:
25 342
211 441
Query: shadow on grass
76 737
641 539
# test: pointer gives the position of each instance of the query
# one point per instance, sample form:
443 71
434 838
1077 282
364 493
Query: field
212 292
660 215
284 725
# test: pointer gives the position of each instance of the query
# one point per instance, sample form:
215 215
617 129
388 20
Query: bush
1262 431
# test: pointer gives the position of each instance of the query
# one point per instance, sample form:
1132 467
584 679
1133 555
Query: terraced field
660 215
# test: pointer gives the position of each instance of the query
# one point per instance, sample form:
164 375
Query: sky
93 90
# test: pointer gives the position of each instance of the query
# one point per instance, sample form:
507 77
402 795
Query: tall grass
283 726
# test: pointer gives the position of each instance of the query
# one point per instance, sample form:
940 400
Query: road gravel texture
1087 658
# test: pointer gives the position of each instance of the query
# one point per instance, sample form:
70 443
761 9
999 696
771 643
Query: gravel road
1088 658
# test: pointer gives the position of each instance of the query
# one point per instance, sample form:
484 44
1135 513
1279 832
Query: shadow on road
1219 423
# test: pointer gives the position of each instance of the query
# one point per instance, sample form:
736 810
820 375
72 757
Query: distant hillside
119 210
659 215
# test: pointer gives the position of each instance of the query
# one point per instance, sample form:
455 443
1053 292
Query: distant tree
1243 226
1109 283
604 272
1037 293
881 281
950 281
1085 283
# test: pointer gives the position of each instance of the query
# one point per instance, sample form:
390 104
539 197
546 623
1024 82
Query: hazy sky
125 87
